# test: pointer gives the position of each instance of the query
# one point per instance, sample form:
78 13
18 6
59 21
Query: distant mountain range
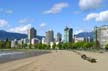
4 35
86 34
11 36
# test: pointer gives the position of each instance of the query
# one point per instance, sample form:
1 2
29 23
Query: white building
23 41
78 39
14 43
86 37
51 44
34 41
20 41
43 41
102 35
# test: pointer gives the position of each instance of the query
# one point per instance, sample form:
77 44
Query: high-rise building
68 35
32 33
49 36
102 35
58 37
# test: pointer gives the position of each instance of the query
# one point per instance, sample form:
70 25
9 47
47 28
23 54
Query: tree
37 46
48 46
44 46
24 45
97 44
106 46
88 45
64 45
1 44
59 45
7 43
54 46
70 45
78 44
41 46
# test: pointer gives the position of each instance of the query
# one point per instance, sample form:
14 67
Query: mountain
4 35
86 34
40 37
11 36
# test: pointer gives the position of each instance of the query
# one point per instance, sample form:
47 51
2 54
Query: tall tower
32 33
58 37
49 36
68 35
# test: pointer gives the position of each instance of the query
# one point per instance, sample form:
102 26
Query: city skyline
81 15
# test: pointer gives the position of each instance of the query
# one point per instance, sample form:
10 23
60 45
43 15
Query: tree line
78 45
5 44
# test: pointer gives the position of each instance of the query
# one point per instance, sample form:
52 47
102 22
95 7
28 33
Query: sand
59 61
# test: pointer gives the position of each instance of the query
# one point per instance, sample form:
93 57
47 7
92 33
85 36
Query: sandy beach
62 60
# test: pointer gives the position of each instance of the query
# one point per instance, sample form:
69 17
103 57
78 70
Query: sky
81 15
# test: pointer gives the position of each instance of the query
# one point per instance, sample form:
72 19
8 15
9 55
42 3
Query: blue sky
81 15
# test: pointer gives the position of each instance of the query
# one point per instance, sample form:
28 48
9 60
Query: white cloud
57 8
99 17
20 29
89 4
3 22
9 11
76 12
26 21
91 16
23 21
103 16
42 24
6 11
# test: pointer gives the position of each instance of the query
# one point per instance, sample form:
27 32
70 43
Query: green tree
78 45
64 45
8 44
70 45
1 44
48 46
36 46
40 46
59 45
54 46
87 45
44 46
106 46
24 45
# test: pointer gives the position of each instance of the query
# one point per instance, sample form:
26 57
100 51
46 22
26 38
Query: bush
78 45
5 44
106 46
84 45
54 46
59 45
